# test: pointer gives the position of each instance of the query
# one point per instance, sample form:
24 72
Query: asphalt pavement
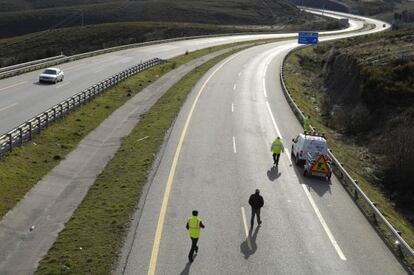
22 97
217 155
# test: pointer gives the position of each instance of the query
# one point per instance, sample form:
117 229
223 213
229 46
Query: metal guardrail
35 65
28 64
25 131
400 246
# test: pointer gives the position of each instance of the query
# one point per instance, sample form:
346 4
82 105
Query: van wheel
297 160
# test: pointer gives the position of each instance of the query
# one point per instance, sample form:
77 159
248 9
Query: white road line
264 81
164 206
273 120
246 229
309 196
239 74
264 87
234 87
63 85
99 70
324 225
234 145
8 107
232 108
14 85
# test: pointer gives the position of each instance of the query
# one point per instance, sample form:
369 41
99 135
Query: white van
303 144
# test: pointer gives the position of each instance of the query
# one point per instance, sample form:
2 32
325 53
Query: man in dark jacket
256 202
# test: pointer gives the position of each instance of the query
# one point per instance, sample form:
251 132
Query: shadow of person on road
249 246
273 173
187 267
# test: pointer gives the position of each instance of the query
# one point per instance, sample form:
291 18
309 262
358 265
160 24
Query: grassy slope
89 38
105 212
93 37
304 82
26 165
66 13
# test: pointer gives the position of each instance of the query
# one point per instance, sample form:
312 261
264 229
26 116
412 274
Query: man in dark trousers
194 225
256 202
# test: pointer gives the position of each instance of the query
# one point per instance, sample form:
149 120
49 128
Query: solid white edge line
309 196
324 225
234 144
8 107
246 228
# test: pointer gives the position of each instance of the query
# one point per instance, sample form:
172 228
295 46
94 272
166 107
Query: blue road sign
308 38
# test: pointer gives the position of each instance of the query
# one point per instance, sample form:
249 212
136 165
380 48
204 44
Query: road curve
22 97
229 121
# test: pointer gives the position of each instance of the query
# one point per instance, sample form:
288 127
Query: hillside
363 89
383 9
19 17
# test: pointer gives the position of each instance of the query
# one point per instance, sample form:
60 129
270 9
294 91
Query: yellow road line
156 247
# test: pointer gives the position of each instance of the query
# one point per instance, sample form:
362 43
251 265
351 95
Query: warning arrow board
320 166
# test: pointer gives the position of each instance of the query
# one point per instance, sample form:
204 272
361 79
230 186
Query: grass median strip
27 164
92 239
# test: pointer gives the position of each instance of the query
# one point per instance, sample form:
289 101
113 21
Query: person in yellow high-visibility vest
306 124
277 148
194 225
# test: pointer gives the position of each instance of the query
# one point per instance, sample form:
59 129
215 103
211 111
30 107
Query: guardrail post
47 119
54 113
10 136
39 121
30 129
21 135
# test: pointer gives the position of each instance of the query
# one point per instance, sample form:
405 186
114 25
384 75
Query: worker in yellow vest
277 148
194 225
306 124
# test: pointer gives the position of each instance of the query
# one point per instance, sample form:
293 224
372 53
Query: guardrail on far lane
390 234
25 132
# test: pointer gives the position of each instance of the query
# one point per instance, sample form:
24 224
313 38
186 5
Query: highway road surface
217 155
22 97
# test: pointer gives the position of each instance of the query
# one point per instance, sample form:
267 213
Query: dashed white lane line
63 85
239 74
246 229
8 107
99 70
11 86
232 108
234 87
164 206
234 145
309 196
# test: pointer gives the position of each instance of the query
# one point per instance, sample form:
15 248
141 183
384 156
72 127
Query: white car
308 143
53 75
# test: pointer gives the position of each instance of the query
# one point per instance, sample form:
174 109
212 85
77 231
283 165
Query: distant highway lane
217 155
22 97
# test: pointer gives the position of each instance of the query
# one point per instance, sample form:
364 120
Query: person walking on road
194 225
277 148
256 202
